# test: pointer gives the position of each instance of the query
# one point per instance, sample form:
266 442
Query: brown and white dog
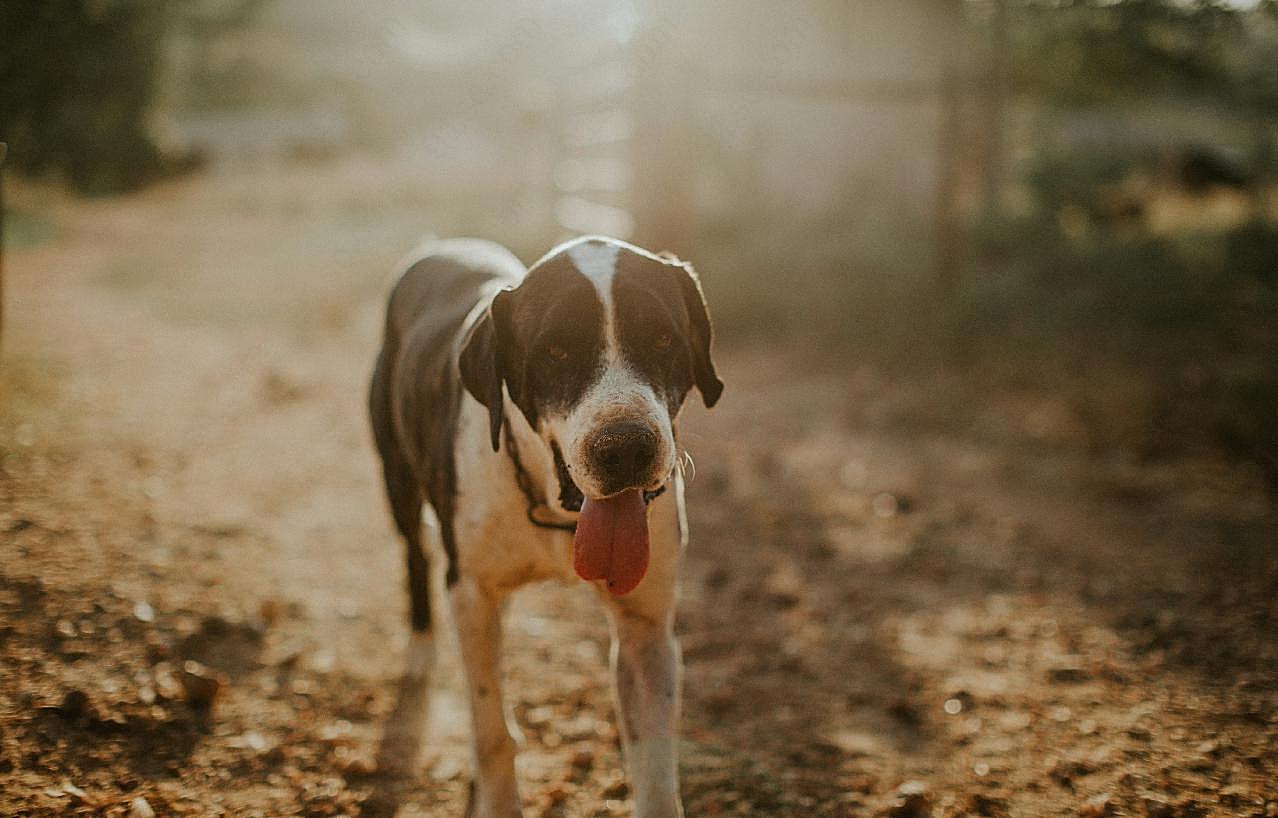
533 411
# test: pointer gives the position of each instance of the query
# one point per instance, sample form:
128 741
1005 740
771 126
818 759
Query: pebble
24 435
74 705
1069 673
537 716
911 801
885 505
75 792
1097 807
783 587
617 789
252 740
982 804
1064 771
167 685
556 796
579 729
357 766
446 769
200 685
143 612
140 808
912 788
1209 747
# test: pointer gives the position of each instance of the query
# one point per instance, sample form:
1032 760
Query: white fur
421 655
597 260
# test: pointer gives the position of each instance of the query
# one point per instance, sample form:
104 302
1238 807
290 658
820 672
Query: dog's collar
539 512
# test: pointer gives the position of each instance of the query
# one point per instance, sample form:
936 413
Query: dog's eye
662 342
557 353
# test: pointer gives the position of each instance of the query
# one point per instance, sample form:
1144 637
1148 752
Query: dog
530 414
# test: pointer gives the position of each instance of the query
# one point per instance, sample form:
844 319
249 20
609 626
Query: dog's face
597 347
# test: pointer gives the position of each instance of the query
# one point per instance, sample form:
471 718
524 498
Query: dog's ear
703 372
482 361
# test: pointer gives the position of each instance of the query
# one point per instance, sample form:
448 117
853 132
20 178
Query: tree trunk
994 126
3 150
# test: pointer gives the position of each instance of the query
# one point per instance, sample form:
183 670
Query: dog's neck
534 464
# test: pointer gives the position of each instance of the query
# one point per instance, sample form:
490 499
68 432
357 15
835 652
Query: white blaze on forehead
597 261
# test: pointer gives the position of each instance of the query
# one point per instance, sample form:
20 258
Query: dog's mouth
610 543
570 497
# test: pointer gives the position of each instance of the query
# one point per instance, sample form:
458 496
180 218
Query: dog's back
415 392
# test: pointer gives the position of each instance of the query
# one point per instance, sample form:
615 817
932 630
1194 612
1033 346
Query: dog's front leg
648 671
478 617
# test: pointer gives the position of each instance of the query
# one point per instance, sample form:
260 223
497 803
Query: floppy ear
703 373
482 362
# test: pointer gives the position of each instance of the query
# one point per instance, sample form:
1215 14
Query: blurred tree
994 110
4 149
77 78
1094 51
77 81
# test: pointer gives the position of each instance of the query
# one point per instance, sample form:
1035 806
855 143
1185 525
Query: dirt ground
908 593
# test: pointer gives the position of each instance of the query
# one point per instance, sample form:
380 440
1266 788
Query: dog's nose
624 452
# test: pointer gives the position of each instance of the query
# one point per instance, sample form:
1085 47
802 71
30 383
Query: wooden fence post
949 230
3 150
995 109
949 146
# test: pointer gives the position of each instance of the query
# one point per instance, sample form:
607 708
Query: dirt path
906 595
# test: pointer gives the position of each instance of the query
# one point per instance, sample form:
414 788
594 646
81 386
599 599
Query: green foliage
1061 179
1245 424
1182 325
1252 251
78 79
1095 52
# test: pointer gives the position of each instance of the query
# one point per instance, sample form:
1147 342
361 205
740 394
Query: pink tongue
612 541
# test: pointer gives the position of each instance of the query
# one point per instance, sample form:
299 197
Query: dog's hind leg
406 507
402 736
403 491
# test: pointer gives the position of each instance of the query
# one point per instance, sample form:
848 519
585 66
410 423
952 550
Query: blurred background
987 179
984 524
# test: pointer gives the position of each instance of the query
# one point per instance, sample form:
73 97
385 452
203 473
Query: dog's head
597 347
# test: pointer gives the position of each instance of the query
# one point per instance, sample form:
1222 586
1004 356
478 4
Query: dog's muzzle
571 497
